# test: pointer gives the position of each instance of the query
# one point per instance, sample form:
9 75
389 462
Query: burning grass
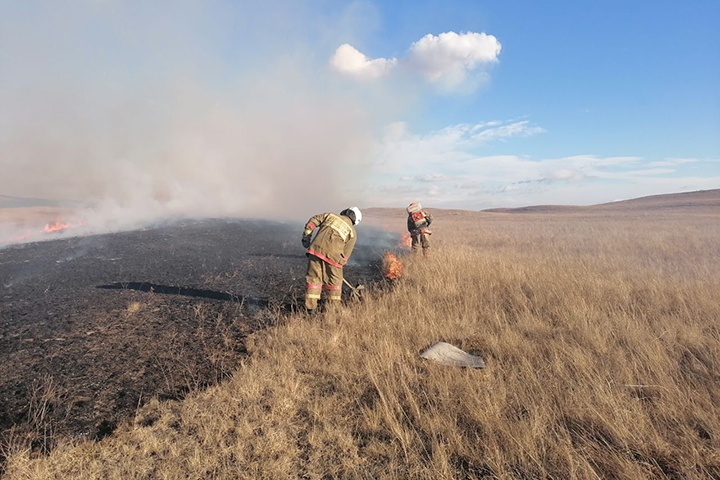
59 226
19 225
392 267
602 346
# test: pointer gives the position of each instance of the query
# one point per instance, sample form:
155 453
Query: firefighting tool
356 291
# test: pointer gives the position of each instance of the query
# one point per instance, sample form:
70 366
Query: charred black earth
92 327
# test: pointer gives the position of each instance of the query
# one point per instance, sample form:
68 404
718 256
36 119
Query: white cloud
448 58
402 151
347 60
568 174
447 160
672 162
491 123
516 129
636 173
429 178
602 162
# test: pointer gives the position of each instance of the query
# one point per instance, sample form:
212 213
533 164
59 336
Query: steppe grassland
601 335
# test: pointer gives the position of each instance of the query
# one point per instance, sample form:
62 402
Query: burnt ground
93 327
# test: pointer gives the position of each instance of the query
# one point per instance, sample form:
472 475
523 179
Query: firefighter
327 253
418 224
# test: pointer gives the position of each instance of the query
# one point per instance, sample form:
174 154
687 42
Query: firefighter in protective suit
418 225
327 253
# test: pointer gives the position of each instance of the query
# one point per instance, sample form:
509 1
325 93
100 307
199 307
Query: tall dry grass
601 336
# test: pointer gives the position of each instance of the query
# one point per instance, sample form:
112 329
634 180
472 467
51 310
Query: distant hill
698 199
673 201
541 209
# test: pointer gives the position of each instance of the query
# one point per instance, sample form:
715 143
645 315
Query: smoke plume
137 111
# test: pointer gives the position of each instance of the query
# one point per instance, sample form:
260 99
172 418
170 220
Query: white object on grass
450 355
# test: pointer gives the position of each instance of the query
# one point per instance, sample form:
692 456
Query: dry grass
601 335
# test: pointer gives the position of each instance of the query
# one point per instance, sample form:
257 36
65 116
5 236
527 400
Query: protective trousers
421 239
321 276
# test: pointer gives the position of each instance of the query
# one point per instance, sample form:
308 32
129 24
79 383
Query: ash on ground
93 327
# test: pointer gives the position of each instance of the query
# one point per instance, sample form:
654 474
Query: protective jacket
335 239
419 222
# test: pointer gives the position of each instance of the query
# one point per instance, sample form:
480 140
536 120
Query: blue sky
237 107
610 77
600 79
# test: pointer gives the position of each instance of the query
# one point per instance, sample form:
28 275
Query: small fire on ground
58 226
392 266
405 241
54 227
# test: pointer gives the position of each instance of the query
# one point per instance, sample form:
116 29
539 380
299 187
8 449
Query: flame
405 241
392 267
58 226
55 226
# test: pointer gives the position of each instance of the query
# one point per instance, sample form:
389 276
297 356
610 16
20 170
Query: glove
306 240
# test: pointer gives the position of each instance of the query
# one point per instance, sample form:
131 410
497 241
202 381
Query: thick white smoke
141 110
262 151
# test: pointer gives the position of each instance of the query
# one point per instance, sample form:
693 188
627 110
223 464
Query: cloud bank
448 168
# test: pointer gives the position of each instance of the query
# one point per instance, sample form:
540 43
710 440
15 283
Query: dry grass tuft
134 307
601 336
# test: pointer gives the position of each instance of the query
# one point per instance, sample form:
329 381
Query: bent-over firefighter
327 253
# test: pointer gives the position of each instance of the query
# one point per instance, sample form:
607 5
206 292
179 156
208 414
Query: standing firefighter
328 252
418 225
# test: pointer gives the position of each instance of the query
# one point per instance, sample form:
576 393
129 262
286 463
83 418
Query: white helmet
358 215
414 207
